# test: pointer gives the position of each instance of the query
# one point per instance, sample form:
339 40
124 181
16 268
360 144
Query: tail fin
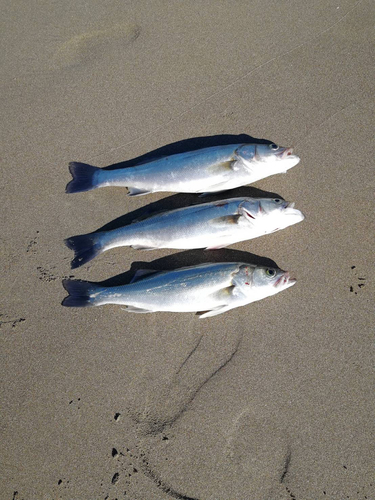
85 247
83 177
80 293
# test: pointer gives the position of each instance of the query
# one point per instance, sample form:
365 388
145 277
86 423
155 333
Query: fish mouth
290 210
284 153
289 159
285 281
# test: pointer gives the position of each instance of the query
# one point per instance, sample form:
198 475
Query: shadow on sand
188 258
189 145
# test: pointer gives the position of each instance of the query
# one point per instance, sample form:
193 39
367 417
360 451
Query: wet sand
269 401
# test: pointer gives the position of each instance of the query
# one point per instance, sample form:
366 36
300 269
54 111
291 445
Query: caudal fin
81 293
83 177
85 247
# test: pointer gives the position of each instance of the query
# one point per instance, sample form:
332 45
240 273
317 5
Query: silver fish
211 288
208 225
206 170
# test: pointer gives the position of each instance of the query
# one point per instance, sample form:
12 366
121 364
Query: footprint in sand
156 401
88 46
259 446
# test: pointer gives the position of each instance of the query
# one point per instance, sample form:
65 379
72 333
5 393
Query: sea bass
208 225
211 288
206 170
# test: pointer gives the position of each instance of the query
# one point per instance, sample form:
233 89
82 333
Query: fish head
258 282
271 214
273 158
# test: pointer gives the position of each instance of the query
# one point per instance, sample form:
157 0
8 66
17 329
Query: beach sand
269 401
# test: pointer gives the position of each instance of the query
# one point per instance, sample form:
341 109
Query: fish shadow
187 145
188 258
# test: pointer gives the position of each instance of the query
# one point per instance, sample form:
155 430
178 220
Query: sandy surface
271 401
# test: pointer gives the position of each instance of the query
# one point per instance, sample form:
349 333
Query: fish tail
81 293
85 177
85 247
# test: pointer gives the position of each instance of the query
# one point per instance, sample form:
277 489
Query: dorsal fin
149 215
142 273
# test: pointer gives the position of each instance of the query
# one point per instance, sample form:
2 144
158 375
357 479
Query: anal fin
214 189
142 273
213 312
141 247
216 248
137 191
138 310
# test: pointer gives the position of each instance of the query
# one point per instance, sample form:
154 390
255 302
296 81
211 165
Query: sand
269 401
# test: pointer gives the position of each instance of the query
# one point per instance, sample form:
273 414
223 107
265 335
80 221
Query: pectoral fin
225 166
223 295
226 219
223 169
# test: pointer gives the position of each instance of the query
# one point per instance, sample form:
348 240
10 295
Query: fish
207 170
207 289
208 225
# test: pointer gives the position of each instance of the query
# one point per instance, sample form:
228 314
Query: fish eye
270 272
277 200
274 147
